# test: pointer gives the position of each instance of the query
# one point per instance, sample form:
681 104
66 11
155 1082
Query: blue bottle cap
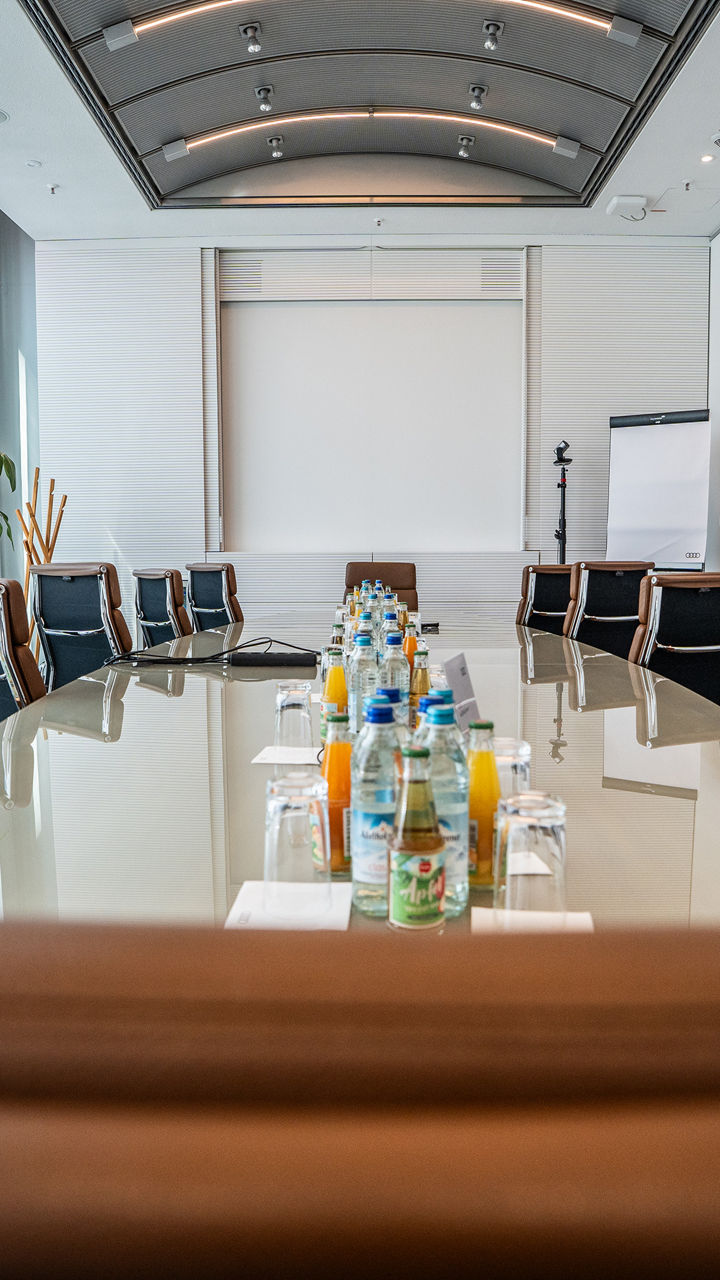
390 615
442 714
374 596
446 695
366 616
363 641
380 697
392 695
379 712
429 700
394 638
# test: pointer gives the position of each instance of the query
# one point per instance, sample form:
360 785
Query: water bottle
448 698
427 700
394 671
362 678
450 784
382 700
390 627
365 628
393 696
373 807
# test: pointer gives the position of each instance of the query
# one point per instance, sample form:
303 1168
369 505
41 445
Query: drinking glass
293 722
512 757
529 863
416 617
297 844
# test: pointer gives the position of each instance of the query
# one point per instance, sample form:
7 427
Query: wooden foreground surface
202 1103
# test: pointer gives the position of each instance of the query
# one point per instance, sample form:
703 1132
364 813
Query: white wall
122 379
713 544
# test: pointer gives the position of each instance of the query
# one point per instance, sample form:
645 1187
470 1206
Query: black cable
142 658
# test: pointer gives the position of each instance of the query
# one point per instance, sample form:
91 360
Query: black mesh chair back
76 608
211 596
678 635
545 597
604 603
159 596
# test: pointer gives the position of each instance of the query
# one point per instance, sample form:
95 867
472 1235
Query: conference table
129 796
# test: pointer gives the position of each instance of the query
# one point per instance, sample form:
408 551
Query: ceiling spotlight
33 164
3 117
707 159
465 142
276 144
251 33
263 95
492 32
478 94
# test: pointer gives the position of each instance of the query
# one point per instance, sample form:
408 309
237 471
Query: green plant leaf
8 530
9 467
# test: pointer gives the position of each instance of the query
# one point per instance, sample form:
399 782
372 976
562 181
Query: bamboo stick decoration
33 533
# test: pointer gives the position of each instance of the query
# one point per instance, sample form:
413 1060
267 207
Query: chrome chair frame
108 628
530 599
172 617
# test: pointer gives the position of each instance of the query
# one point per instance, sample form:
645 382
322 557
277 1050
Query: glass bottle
419 683
394 672
410 644
335 770
373 808
417 850
362 678
427 701
334 695
484 796
450 784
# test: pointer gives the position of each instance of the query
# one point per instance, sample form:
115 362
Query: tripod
563 463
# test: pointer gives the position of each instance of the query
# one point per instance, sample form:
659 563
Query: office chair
160 605
398 574
542 657
603 608
20 682
598 682
211 596
77 611
545 597
678 635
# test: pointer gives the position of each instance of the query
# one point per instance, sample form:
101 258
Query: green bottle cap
334 649
416 753
482 724
337 717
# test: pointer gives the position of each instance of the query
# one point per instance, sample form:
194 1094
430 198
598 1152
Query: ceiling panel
199 106
415 137
530 39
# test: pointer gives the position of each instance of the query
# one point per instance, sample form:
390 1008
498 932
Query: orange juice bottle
410 644
484 796
334 694
336 772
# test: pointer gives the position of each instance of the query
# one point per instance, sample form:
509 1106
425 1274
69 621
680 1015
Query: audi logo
693 555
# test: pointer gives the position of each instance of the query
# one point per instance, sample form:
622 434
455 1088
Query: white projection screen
381 424
658 494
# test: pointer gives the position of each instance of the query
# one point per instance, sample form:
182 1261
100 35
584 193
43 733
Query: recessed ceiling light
707 159
3 117
33 164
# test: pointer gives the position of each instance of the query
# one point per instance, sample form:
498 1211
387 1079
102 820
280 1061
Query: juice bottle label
417 889
370 833
455 832
317 843
326 709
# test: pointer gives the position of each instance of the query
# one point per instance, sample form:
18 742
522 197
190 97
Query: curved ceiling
561 95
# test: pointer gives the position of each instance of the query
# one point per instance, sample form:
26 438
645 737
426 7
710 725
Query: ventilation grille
288 275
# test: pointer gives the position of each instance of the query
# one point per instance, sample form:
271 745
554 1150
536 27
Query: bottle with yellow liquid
419 683
484 796
336 772
416 897
410 644
334 694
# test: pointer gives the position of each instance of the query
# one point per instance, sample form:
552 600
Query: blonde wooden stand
43 553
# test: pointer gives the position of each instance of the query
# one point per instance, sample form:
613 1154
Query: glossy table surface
129 796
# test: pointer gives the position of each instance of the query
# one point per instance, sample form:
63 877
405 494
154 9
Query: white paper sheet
248 911
488 920
287 755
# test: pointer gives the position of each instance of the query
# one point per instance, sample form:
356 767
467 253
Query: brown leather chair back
604 602
160 605
545 597
211 594
398 574
678 632
22 673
